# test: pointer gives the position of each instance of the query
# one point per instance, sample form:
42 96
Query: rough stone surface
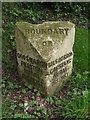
45 53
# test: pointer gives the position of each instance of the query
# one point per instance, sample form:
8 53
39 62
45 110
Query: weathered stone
44 53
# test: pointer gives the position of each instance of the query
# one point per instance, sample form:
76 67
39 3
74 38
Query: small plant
11 85
50 100
77 106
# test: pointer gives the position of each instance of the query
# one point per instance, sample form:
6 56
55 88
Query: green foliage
11 85
24 116
13 106
81 80
50 100
77 105
30 86
71 7
34 15
75 12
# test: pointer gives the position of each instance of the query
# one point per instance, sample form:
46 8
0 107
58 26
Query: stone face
45 53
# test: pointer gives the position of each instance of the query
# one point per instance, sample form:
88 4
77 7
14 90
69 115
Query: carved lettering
54 81
43 64
52 70
60 59
30 67
48 31
31 60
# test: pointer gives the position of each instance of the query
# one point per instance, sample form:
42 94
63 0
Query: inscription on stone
45 53
48 31
31 65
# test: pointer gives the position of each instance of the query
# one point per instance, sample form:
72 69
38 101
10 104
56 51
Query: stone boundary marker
45 53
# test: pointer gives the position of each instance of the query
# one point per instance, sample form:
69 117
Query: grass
72 102
81 50
77 104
